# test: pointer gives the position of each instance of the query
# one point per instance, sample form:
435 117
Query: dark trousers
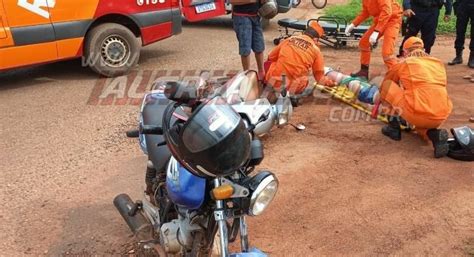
464 11
426 22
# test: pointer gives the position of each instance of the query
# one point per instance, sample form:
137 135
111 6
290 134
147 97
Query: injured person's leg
363 90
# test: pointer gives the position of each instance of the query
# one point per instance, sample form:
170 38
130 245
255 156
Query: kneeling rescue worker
295 57
415 89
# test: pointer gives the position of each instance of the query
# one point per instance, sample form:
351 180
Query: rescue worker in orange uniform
387 16
295 57
415 89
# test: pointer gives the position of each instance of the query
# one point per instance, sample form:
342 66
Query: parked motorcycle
202 150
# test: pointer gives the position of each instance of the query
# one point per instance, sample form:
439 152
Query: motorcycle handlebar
133 133
151 130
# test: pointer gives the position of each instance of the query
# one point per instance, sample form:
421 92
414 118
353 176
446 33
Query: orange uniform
416 88
294 57
387 20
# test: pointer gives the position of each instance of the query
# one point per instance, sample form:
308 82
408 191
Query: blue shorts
249 34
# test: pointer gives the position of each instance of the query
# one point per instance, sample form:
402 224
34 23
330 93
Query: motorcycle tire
319 4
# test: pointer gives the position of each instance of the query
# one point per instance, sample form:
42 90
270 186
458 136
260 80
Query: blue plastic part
185 189
366 94
254 252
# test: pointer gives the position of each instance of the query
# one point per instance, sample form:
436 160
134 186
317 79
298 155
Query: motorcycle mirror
180 92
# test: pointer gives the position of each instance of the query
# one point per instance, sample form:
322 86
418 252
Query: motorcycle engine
176 236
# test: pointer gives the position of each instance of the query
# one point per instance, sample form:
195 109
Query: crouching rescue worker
387 20
415 90
295 57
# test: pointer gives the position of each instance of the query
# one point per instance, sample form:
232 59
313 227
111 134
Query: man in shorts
248 28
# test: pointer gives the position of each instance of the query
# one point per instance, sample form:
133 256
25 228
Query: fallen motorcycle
202 152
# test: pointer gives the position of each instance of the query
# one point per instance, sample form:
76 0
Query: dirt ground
344 188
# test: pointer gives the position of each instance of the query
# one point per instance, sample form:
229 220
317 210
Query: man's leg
428 30
389 40
258 45
471 45
462 20
243 28
414 25
261 70
365 48
392 95
245 62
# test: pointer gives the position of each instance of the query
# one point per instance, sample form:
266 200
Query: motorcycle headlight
264 188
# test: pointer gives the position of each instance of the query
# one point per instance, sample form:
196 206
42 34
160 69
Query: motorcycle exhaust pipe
136 221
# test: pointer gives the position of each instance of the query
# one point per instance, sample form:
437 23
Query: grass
351 9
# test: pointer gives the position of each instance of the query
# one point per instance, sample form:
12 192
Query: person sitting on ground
295 57
415 90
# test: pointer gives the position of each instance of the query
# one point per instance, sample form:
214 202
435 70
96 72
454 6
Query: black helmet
212 142
462 146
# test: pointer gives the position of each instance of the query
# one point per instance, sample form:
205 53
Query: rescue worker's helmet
213 142
269 9
314 26
413 43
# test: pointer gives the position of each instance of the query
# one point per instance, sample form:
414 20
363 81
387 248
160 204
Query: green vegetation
350 10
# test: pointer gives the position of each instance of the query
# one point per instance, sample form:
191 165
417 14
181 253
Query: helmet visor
209 125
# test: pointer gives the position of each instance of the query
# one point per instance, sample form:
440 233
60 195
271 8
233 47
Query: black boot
439 138
471 60
393 130
457 59
363 73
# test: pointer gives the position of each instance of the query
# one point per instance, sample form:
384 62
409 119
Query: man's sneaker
392 132
439 138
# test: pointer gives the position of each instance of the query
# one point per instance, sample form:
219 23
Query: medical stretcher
334 28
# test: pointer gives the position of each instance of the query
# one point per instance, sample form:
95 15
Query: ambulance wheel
111 49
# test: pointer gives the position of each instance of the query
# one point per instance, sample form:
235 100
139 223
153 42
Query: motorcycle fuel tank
184 189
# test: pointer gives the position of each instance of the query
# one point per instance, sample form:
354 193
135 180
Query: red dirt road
345 189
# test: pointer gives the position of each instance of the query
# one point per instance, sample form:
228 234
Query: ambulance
106 34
